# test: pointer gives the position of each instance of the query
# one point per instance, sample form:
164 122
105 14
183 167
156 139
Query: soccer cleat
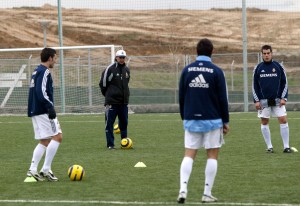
287 150
269 150
207 198
35 175
111 148
50 176
181 197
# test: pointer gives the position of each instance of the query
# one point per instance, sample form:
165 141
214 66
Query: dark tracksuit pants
111 113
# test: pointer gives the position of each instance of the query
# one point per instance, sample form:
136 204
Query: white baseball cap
121 53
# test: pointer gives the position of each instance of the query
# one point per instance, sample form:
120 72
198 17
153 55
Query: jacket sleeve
101 84
42 83
223 97
128 70
181 95
283 84
255 86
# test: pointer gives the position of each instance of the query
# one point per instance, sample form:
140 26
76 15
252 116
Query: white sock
38 153
265 130
210 174
284 131
50 153
185 173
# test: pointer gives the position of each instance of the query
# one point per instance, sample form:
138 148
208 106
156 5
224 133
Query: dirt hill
151 32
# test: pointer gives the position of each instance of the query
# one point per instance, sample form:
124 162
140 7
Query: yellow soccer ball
126 143
76 173
117 129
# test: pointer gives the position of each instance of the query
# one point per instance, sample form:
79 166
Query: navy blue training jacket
203 92
40 97
269 81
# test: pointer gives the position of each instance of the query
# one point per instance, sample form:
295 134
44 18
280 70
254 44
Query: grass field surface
246 174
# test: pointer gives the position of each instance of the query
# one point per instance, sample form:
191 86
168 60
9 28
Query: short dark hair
47 53
205 47
266 47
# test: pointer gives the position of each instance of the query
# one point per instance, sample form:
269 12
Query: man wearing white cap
114 86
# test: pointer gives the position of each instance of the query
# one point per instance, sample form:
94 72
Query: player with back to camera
204 110
45 123
114 85
270 93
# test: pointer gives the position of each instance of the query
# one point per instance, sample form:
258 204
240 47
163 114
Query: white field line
137 203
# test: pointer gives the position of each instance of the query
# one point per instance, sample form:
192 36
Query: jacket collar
203 58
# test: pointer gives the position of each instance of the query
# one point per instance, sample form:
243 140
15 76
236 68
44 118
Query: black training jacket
114 84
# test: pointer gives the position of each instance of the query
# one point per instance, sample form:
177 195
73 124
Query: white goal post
76 78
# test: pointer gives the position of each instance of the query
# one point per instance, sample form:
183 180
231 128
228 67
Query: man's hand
257 106
282 102
225 129
51 113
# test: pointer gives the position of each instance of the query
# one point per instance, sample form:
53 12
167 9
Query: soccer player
270 93
204 110
45 124
114 86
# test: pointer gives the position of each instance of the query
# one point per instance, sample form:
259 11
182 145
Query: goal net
76 77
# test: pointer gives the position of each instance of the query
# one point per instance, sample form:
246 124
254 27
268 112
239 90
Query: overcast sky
273 5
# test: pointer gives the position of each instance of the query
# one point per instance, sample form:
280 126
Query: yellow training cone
30 179
294 149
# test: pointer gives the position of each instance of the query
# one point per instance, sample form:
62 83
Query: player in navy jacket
204 109
45 123
270 93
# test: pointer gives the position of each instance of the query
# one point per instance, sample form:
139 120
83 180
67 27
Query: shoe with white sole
209 198
49 175
35 175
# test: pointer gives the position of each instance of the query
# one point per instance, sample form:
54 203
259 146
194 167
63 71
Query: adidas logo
262 70
199 81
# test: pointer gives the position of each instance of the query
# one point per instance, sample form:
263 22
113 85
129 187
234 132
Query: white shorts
274 111
45 128
207 140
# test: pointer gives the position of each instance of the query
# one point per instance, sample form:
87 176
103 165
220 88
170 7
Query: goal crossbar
111 46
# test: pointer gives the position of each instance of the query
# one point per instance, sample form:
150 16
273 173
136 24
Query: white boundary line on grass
137 203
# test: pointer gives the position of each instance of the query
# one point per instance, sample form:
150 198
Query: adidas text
198 84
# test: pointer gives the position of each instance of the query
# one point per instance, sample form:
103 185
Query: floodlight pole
44 24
